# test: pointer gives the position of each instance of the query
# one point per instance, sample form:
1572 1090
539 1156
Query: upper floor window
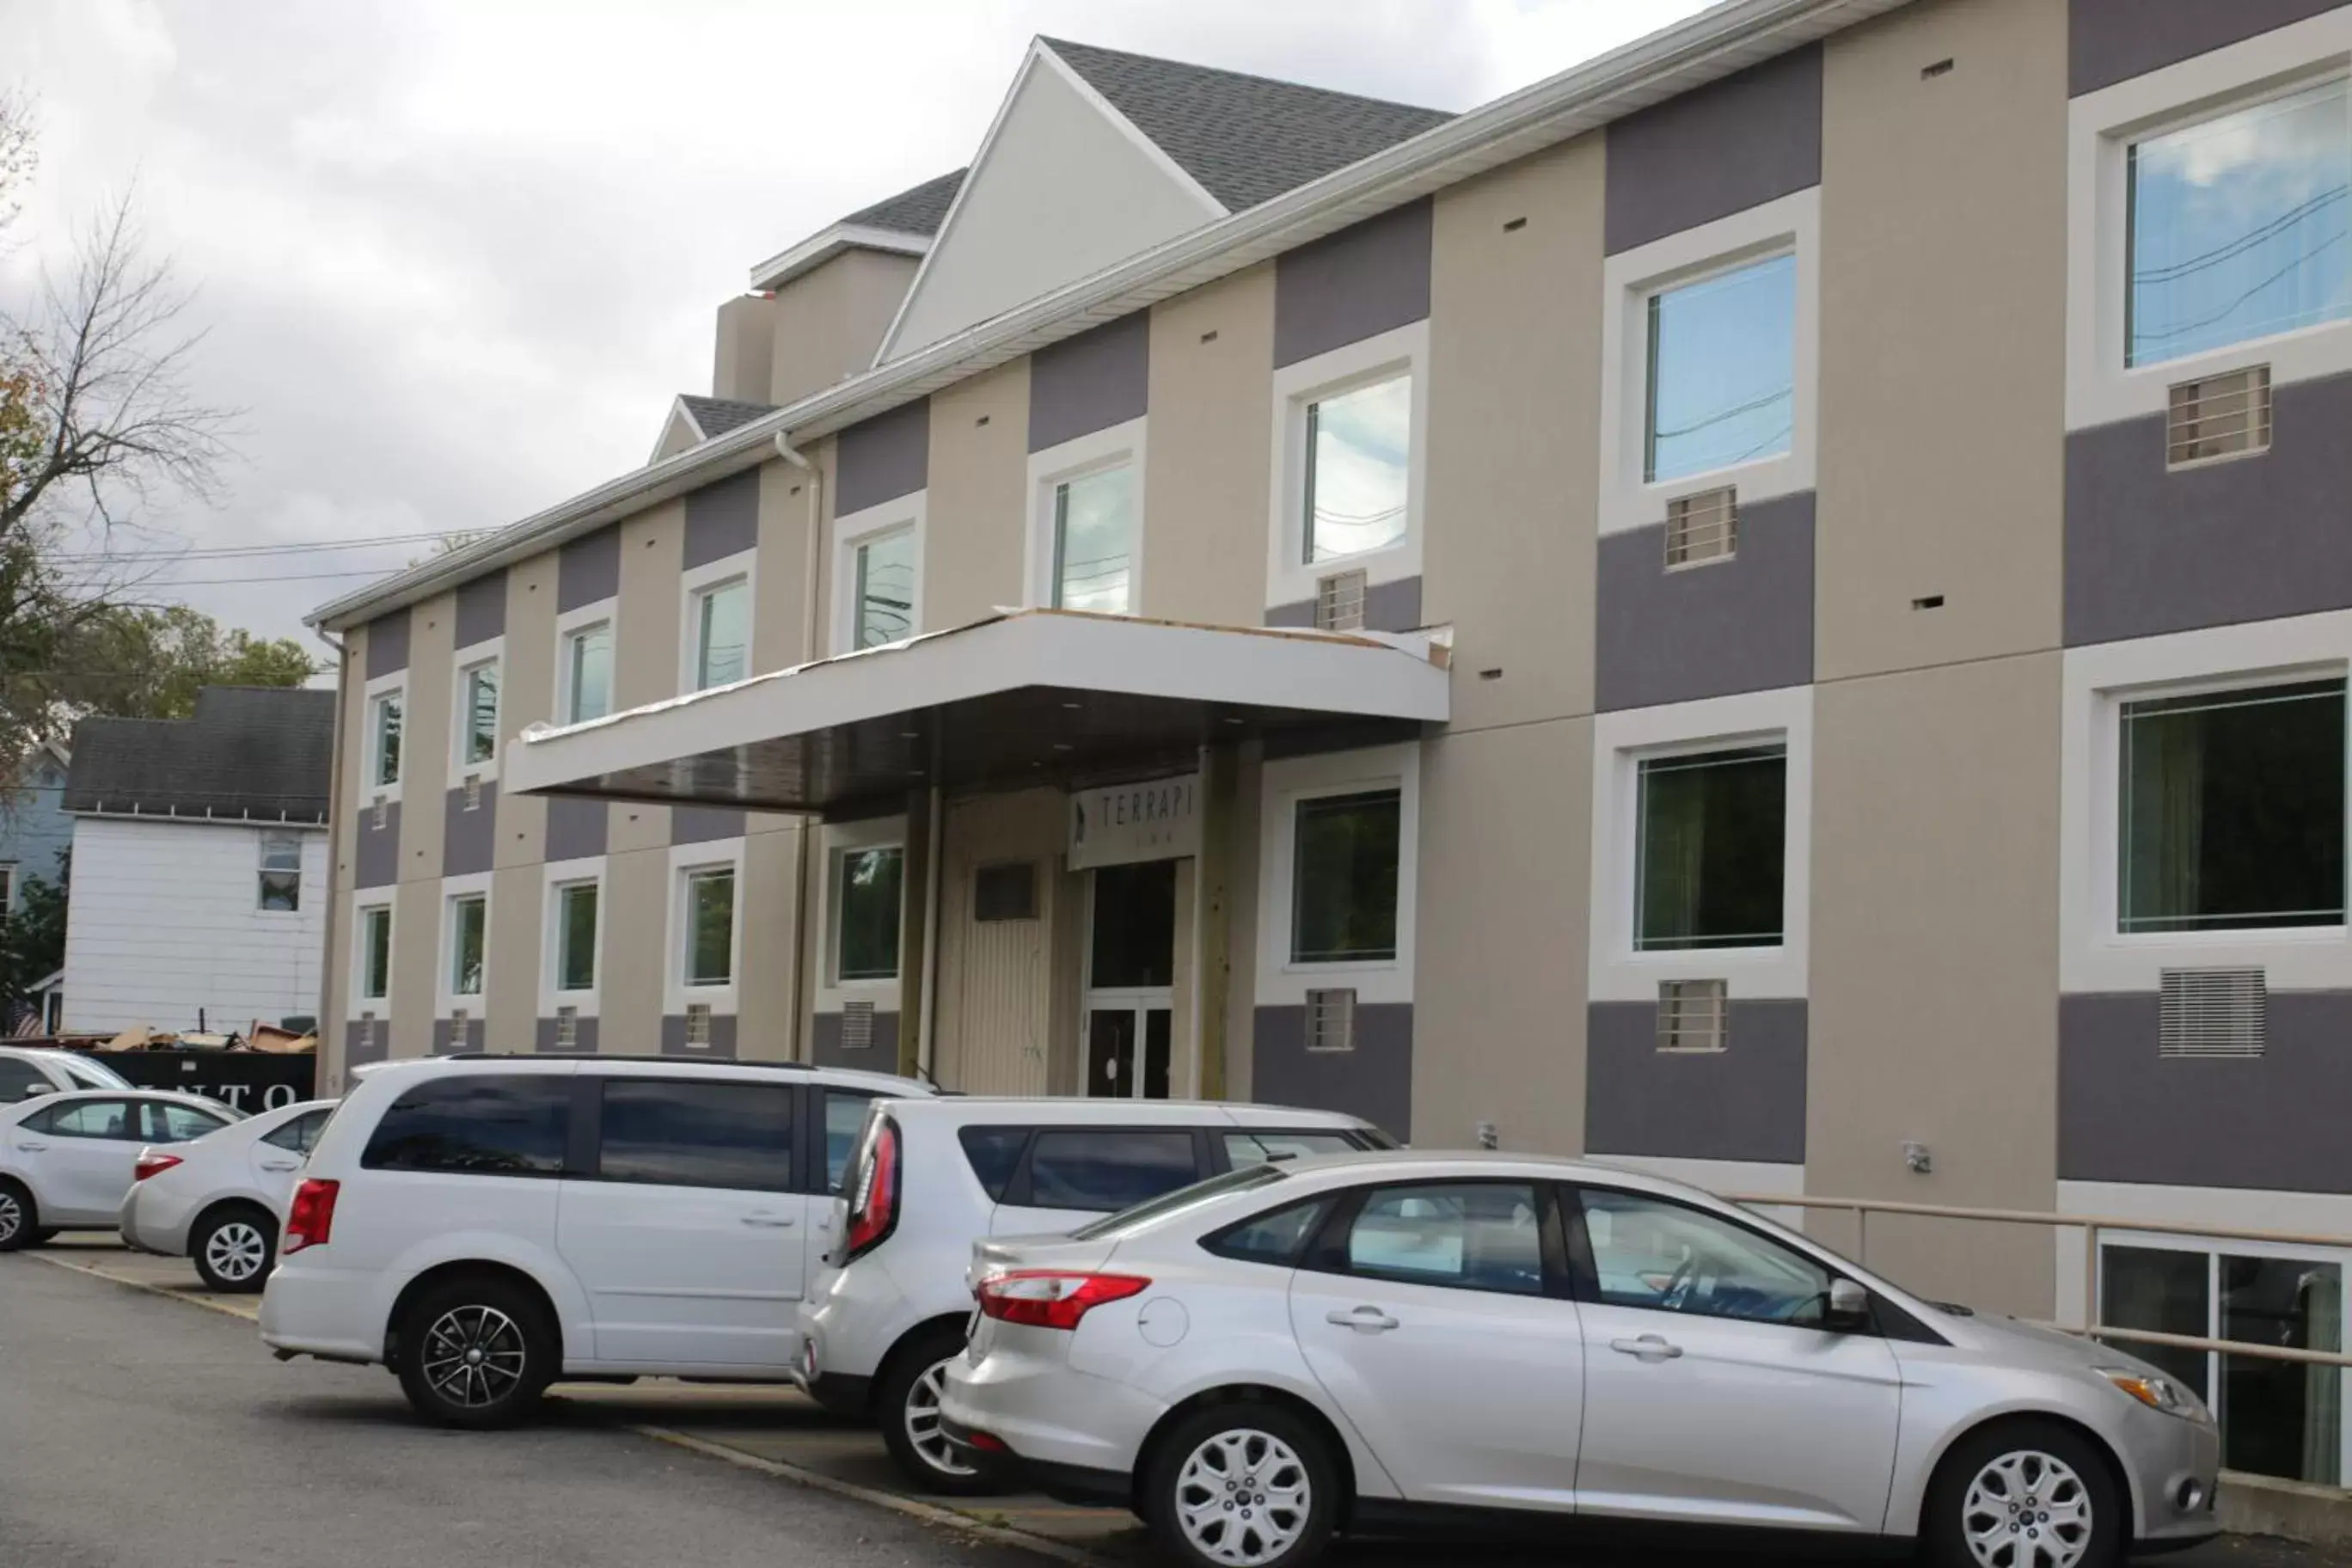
281 871
375 953
470 931
1344 881
2232 809
383 740
882 591
722 633
710 927
588 672
575 936
477 711
2237 226
1711 851
1358 469
1094 541
1722 370
866 913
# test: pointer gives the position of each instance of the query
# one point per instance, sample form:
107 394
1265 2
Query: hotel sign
1158 819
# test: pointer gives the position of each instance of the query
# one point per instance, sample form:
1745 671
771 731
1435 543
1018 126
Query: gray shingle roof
1247 139
265 752
920 209
718 416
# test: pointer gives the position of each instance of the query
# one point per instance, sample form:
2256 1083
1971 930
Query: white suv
481 1224
935 1176
30 1070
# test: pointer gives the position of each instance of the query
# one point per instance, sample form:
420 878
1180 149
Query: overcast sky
454 258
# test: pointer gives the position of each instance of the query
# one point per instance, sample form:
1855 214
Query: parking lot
112 1362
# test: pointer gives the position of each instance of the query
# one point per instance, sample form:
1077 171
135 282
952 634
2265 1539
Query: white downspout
809 950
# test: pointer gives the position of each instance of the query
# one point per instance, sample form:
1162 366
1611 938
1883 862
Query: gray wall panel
1373 1082
882 1055
2111 40
1722 149
575 828
444 1038
375 860
2149 551
482 608
883 458
1741 625
589 569
722 1037
1388 608
387 644
701 824
1744 1102
583 1030
1091 382
722 519
469 839
1352 285
356 1050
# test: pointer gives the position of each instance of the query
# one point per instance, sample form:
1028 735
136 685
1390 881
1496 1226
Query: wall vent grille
567 1028
1339 602
382 813
2213 1013
1693 1015
1701 528
698 1026
1331 1019
857 1025
473 792
2218 417
367 1032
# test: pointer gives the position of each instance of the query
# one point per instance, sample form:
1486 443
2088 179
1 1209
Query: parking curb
168 1294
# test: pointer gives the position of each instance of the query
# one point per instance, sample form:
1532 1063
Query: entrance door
1130 978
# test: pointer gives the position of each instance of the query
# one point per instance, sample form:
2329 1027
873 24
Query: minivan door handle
1646 1347
281 1165
773 1221
1367 1320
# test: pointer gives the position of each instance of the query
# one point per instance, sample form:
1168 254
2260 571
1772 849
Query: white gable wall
1063 187
165 918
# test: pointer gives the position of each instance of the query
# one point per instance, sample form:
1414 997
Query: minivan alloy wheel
1243 1497
2027 1509
237 1250
474 1356
922 1418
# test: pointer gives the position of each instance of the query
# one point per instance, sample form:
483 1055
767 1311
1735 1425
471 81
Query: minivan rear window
478 1124
994 1153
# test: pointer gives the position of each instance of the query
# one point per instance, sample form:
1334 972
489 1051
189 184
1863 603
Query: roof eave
824 245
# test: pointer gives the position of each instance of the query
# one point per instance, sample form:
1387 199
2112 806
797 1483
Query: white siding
165 919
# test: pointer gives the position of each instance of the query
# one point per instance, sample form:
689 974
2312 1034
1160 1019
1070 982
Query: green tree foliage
149 663
32 940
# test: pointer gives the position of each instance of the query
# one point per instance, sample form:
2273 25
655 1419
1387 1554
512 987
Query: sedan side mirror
34 1090
1849 1307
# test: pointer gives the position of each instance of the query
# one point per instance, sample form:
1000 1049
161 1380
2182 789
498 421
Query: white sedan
65 1160
220 1200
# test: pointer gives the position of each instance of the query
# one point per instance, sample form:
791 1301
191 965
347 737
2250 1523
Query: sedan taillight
311 1218
1050 1299
151 1163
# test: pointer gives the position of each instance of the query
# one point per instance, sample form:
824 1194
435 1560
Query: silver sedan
1399 1341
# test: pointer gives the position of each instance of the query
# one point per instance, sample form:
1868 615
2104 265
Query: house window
588 672
384 728
710 927
7 888
575 936
281 871
882 595
1722 370
1358 469
2232 809
722 634
1094 541
478 709
470 922
1712 838
2237 226
1344 878
866 947
375 953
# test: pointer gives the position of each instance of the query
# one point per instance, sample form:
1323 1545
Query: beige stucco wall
974 510
1208 452
416 966
425 737
513 958
1943 368
780 591
645 653
343 872
636 951
763 985
828 322
526 697
743 357
1514 434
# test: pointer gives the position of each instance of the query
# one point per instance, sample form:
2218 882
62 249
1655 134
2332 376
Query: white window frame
394 685
907 512
556 875
833 843
8 887
1788 225
489 654
361 1002
1621 742
261 838
2093 954
717 855
1118 446
1284 784
696 585
1401 351
448 998
2100 130
568 625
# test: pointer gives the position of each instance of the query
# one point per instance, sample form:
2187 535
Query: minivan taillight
151 1163
874 1205
310 1221
1050 1299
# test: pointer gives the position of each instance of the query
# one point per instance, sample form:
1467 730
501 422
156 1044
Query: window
1344 884
1267 1147
302 1133
375 953
575 936
8 888
1175 1201
1649 1252
993 1153
2232 809
171 1123
1358 469
1474 1236
710 927
1006 892
677 1134
722 634
383 726
2237 226
588 673
476 1123
1108 1170
478 709
1273 1238
845 1118
91 1119
882 590
281 871
16 1076
1722 370
1094 541
1712 837
469 921
866 913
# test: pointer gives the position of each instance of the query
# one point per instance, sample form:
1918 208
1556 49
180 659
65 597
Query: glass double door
1130 980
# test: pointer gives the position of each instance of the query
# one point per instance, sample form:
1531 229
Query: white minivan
887 1311
483 1224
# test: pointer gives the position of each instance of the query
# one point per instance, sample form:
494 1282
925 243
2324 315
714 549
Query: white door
82 1157
1127 1034
1700 1368
688 1239
1436 1337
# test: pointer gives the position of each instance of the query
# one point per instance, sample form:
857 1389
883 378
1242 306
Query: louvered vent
1339 602
382 813
459 1020
857 1025
2217 416
698 1026
473 792
1693 1016
2213 1013
1331 1020
367 1031
1702 528
567 1028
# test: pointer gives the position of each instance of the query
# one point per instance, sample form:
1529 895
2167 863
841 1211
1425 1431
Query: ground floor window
866 913
1344 888
1712 849
2278 1418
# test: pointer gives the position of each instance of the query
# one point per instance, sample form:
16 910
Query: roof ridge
1058 45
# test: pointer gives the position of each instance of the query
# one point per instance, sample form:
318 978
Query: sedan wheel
234 1253
16 1217
2026 1493
2027 1510
1243 1486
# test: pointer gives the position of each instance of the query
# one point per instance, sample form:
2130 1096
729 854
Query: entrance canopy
1024 698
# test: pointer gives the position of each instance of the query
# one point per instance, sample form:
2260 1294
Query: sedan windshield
1128 1220
90 1074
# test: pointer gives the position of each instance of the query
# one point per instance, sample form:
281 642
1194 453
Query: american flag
28 1022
